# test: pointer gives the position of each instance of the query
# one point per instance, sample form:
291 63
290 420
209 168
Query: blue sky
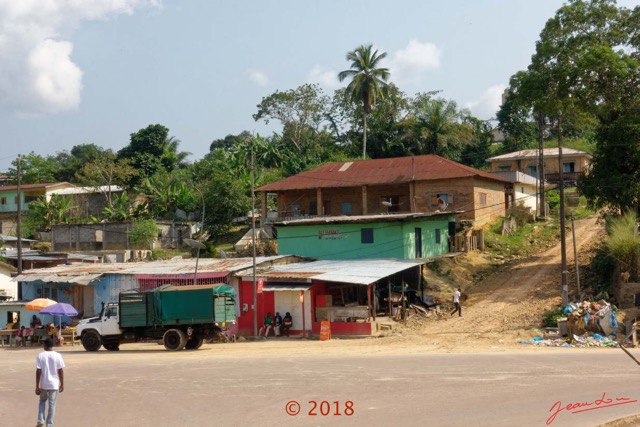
94 71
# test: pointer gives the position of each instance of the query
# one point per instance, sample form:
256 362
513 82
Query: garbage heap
588 324
596 317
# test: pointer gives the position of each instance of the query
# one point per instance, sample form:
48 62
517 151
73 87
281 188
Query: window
483 199
568 167
438 236
504 168
346 208
366 235
533 170
418 234
3 200
29 199
313 207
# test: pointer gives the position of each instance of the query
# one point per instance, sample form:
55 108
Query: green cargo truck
181 316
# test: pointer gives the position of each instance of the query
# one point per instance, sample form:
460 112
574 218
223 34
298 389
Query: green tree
70 163
476 152
106 172
35 169
143 233
44 213
167 192
437 126
151 150
516 123
225 199
368 82
302 112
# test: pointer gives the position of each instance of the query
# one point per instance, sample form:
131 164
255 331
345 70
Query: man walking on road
49 381
456 303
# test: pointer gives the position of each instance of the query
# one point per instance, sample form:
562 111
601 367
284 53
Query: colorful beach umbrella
60 309
39 303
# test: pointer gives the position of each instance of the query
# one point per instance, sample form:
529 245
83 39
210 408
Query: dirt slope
507 304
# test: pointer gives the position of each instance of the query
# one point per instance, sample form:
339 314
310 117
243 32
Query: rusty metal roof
79 273
35 186
378 172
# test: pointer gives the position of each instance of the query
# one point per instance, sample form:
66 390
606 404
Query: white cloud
38 75
328 79
409 65
489 103
258 77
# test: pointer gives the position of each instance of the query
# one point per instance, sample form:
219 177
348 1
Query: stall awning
281 288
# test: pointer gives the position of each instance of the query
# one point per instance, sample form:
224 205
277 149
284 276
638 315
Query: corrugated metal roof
344 219
378 172
84 279
529 154
74 272
361 272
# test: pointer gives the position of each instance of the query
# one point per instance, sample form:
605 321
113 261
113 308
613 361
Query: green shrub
550 319
552 197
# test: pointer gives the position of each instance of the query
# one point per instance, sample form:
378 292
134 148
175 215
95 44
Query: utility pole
575 255
563 242
253 242
19 226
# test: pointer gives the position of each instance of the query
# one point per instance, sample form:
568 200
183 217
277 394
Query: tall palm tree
368 82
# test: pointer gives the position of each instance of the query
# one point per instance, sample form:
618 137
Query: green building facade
403 236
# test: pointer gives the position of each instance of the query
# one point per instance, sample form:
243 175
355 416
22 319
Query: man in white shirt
49 381
456 303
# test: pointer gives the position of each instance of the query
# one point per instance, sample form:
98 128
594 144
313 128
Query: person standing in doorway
49 381
456 302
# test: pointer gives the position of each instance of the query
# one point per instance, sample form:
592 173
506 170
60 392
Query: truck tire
111 345
194 343
91 341
174 339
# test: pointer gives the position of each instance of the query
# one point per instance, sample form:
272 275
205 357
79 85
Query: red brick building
415 184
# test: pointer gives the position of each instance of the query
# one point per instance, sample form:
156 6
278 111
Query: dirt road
510 302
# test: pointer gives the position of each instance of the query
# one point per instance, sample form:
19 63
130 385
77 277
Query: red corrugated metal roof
378 172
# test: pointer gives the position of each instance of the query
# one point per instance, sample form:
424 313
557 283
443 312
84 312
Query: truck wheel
91 341
194 343
174 339
112 346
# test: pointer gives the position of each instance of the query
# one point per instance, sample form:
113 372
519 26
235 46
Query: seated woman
287 322
35 322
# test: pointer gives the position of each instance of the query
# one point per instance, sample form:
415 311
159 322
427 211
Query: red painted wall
265 304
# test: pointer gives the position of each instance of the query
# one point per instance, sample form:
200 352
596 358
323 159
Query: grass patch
529 239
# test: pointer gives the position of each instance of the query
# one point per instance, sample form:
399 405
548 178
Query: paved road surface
144 385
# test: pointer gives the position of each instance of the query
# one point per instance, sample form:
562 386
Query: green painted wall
9 199
344 241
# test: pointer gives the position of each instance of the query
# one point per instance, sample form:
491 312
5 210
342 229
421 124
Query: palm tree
368 82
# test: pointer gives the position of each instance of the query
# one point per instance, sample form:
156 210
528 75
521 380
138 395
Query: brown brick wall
464 194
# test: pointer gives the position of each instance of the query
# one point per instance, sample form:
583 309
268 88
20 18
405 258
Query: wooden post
389 297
